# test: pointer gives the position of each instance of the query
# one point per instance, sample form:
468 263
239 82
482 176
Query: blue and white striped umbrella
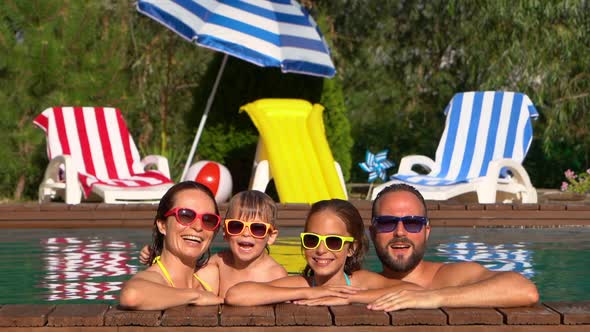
269 33
275 33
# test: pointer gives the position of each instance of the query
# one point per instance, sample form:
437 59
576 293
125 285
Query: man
399 232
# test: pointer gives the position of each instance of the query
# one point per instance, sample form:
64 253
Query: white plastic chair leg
260 176
73 192
341 177
529 196
486 195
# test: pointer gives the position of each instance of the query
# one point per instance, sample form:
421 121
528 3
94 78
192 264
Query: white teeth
322 261
192 238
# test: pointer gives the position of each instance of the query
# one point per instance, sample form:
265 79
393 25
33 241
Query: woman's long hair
166 203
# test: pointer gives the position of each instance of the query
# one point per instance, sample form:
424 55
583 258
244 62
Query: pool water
90 265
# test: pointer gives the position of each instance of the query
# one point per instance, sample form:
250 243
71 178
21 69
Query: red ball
213 175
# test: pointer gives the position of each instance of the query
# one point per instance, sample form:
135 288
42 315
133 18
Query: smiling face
325 263
400 250
250 206
246 248
190 241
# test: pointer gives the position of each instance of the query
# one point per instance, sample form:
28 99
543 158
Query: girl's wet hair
166 203
354 225
252 205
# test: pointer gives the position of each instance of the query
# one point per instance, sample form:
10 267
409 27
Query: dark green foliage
229 136
402 61
104 53
398 62
337 124
53 53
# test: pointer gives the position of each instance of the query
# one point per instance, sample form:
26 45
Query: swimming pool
90 265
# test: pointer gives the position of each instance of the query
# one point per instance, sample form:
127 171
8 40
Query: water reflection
496 257
84 268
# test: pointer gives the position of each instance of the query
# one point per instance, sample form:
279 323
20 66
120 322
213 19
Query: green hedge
105 53
402 61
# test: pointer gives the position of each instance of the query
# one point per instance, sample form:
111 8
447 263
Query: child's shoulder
221 257
217 261
271 262
275 269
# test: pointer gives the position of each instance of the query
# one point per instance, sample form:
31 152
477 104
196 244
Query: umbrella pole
204 118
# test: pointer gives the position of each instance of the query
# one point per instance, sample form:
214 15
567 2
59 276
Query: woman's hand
207 298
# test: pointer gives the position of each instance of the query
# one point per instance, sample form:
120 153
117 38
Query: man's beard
399 265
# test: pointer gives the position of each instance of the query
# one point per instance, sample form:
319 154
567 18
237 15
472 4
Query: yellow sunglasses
332 242
258 229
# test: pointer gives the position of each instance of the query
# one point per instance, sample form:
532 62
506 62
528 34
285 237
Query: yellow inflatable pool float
287 252
294 143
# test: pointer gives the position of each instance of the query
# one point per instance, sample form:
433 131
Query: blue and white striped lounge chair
486 137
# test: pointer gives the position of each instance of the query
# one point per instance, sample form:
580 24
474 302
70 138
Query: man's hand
405 299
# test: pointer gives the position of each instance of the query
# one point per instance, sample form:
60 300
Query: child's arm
280 290
375 284
143 292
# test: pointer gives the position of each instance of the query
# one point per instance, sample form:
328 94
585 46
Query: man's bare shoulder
459 273
431 269
457 267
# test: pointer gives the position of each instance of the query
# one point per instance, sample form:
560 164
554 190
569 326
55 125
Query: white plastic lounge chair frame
486 137
63 173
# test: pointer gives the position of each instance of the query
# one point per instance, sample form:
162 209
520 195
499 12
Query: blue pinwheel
376 165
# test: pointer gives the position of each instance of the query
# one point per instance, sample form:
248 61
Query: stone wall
553 316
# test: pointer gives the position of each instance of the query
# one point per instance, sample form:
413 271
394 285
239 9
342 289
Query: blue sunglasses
387 224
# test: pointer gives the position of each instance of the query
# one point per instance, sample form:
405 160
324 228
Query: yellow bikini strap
167 275
203 283
163 269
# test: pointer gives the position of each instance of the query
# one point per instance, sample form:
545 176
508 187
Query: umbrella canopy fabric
269 33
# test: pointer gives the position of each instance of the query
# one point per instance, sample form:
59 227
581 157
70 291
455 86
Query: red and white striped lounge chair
91 153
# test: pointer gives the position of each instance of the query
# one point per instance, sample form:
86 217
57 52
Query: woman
186 222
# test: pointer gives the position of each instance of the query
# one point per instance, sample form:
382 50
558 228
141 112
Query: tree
53 53
401 62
